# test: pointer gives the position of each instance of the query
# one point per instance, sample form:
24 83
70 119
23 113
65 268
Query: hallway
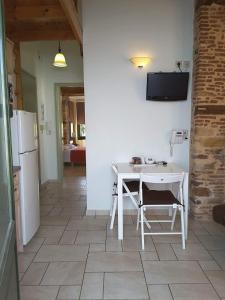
74 256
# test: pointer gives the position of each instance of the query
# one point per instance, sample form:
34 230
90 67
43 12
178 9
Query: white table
129 171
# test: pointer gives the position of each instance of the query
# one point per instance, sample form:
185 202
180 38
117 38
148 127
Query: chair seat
153 197
133 186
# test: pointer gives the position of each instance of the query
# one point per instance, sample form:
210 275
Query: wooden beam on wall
72 91
72 16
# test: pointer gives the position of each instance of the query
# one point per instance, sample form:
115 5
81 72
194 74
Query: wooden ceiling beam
71 14
40 35
33 12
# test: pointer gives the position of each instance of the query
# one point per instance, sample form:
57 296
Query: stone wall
207 171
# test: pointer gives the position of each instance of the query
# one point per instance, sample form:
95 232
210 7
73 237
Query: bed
74 154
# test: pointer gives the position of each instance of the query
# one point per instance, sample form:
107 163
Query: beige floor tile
50 253
87 224
193 292
68 238
149 256
97 247
165 272
209 265
69 292
159 292
213 242
64 273
213 228
50 231
113 262
219 257
217 278
52 240
34 245
113 245
34 274
38 292
54 220
134 244
127 285
24 260
92 236
165 252
192 252
92 286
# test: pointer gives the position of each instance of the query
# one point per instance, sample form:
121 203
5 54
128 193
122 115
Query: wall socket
184 64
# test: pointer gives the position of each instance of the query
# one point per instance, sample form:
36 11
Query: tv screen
167 86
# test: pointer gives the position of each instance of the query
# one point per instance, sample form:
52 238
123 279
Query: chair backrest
115 169
162 179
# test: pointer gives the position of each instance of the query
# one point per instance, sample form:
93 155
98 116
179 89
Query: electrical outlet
186 64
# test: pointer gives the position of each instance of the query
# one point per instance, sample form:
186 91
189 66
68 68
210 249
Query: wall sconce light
60 60
140 62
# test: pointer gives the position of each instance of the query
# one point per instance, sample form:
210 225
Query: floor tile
34 245
217 278
92 286
193 292
94 236
113 262
64 273
192 252
68 238
209 265
165 252
127 285
134 244
219 257
159 292
149 256
38 292
113 245
24 260
34 274
213 242
97 247
165 272
69 292
87 224
61 253
50 231
54 220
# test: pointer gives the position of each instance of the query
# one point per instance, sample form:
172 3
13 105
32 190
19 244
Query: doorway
71 130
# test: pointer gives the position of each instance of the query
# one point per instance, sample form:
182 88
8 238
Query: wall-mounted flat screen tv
170 86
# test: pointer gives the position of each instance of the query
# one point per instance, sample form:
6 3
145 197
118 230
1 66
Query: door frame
8 257
58 118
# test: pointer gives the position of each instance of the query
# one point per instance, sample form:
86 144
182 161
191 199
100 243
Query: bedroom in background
73 130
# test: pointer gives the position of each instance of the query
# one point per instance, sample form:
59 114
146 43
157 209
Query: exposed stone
207 166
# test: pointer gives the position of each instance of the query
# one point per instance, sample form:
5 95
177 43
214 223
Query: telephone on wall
177 137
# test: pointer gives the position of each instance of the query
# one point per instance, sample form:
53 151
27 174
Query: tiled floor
74 256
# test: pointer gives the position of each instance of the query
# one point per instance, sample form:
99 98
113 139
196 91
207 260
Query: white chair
130 189
162 199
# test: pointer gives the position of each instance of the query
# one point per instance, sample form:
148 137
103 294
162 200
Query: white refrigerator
25 155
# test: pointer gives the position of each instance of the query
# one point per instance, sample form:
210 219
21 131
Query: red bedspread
78 156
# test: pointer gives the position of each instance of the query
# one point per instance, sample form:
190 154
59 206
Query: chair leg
182 227
113 211
138 219
174 218
142 229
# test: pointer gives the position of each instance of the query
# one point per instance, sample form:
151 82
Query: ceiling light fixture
140 62
60 60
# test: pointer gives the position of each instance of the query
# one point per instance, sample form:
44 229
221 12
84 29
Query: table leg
186 203
120 207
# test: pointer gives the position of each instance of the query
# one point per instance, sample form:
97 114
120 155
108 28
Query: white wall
120 122
37 59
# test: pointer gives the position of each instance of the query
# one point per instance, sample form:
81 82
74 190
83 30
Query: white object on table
129 171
